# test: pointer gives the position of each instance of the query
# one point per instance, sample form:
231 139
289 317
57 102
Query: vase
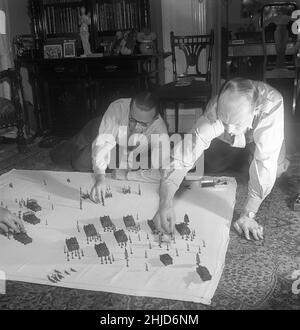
147 47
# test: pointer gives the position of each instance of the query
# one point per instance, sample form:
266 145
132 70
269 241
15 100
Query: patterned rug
257 275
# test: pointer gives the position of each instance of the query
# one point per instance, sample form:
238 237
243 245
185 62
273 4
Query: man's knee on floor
61 153
282 168
80 166
82 160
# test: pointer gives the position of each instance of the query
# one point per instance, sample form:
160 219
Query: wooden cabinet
69 92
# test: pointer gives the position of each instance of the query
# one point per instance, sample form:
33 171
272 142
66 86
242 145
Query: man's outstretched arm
101 148
184 158
268 137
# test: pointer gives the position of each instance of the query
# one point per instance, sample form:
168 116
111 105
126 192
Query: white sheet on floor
210 212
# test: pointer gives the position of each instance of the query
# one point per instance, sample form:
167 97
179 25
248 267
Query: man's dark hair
146 101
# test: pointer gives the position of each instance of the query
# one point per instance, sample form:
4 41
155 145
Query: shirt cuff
99 171
218 128
176 176
150 176
253 204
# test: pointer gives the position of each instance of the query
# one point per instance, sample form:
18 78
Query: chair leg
295 94
163 112
176 117
21 141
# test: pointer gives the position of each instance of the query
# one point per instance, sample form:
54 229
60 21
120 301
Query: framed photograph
52 51
69 49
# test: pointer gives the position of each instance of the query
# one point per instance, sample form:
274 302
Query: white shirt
267 133
113 128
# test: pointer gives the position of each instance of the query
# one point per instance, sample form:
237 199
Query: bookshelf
60 18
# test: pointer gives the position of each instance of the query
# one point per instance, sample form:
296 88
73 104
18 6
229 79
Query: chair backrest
276 24
8 117
23 46
192 46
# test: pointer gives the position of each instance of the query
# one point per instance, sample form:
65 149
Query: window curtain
5 50
198 14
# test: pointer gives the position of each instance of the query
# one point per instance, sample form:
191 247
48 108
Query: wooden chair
12 111
276 26
191 86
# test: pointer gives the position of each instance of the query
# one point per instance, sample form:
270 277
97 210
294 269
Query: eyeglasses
141 123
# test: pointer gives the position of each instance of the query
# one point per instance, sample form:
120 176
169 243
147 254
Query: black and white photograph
52 51
69 49
157 178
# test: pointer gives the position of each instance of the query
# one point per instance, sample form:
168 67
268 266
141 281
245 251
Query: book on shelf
61 16
124 14
53 19
67 19
56 20
55 2
71 20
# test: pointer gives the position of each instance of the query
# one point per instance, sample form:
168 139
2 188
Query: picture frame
69 49
53 51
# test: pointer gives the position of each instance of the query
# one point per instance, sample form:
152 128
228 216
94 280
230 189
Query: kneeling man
244 112
124 132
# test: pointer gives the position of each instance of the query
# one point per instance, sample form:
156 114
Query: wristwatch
250 214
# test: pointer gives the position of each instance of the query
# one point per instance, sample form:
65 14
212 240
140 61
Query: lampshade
2 22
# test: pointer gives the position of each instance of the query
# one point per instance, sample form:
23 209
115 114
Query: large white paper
210 212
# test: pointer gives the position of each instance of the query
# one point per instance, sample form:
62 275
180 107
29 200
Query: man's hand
165 220
248 225
100 184
10 223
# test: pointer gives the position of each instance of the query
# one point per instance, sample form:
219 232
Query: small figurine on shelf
85 22
124 43
115 48
128 43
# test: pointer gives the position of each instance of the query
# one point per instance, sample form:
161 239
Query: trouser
221 157
77 151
